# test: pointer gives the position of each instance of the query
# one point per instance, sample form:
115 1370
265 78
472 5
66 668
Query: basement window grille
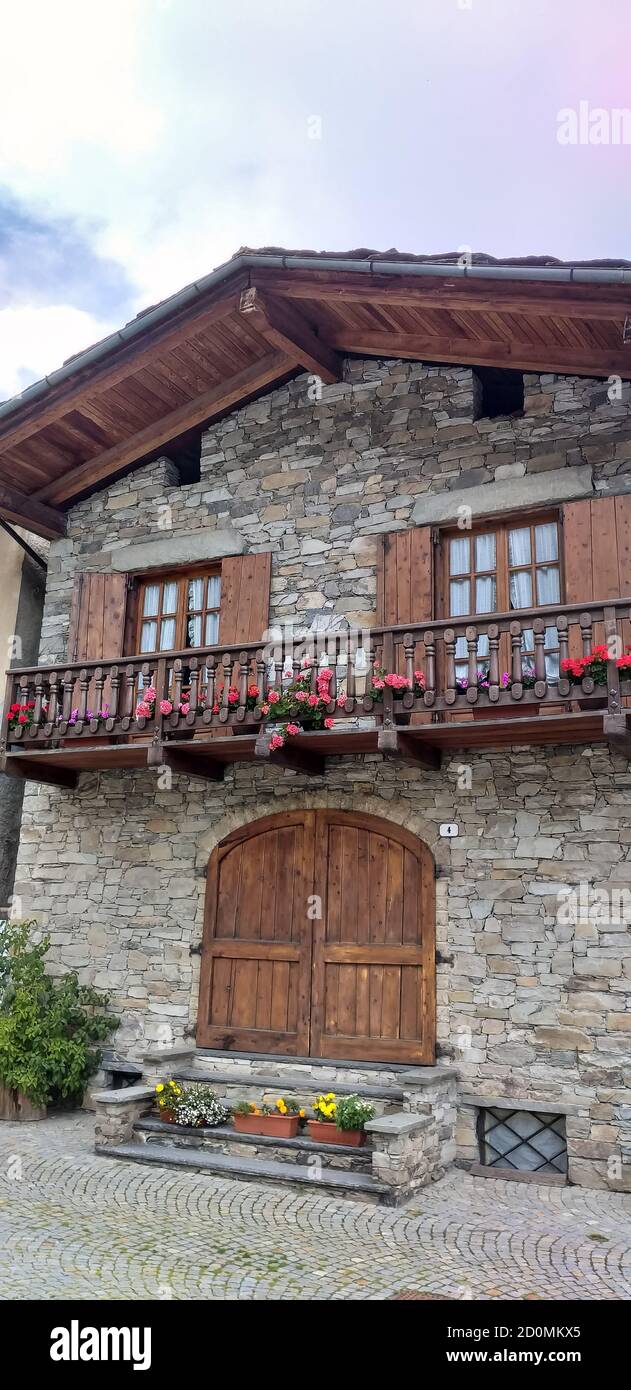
522 1140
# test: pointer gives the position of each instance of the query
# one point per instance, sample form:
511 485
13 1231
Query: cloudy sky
142 142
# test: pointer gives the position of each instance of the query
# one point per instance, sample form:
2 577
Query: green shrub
49 1029
353 1113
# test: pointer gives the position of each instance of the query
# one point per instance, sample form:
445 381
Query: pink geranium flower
143 710
276 742
302 695
166 707
328 723
312 700
293 728
150 693
341 700
272 697
265 709
378 684
185 708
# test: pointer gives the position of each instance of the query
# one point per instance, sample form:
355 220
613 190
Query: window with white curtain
179 611
505 566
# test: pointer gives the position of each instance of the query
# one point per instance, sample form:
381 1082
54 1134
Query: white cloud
34 341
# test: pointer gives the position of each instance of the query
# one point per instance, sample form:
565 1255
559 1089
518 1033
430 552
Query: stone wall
528 1005
315 481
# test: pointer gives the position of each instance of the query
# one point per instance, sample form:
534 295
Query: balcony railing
210 690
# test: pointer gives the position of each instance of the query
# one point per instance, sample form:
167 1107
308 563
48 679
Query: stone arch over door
319 939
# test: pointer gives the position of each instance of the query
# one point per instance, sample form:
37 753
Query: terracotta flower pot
279 1126
325 1132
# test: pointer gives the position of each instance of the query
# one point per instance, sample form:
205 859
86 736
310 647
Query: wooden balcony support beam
297 759
395 744
27 768
618 732
32 515
287 330
161 755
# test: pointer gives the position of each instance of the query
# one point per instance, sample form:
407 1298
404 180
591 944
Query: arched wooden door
319 940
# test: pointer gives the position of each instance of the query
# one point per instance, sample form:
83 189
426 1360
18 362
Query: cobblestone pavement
74 1225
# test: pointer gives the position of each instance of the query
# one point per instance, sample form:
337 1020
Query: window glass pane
485 595
547 541
461 646
148 637
167 634
528 640
459 551
214 590
485 552
195 594
151 601
194 630
551 638
169 597
552 667
519 546
459 600
483 645
212 629
521 589
548 588
462 671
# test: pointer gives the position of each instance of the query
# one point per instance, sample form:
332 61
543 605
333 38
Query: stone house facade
532 1007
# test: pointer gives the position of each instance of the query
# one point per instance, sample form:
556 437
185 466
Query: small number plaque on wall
448 830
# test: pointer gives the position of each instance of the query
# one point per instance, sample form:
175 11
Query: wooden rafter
182 761
298 759
28 769
528 357
31 513
394 743
204 407
132 357
286 329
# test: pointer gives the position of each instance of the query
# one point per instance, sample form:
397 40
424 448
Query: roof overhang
266 316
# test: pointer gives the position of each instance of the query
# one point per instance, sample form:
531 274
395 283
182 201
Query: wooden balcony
85 717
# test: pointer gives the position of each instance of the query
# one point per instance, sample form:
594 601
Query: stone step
225 1139
321 1073
231 1087
337 1182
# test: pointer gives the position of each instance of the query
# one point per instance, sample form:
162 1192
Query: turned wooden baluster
211 681
408 653
115 685
331 665
516 641
128 701
279 667
370 671
563 684
471 634
261 675
194 695
84 686
22 699
39 701
351 657
68 685
53 699
449 639
494 661
99 684
244 681
430 667
585 622
541 681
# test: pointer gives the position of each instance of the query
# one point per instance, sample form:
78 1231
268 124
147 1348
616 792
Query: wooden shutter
97 617
245 587
405 577
597 556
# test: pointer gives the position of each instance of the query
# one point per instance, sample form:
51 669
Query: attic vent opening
523 1141
497 391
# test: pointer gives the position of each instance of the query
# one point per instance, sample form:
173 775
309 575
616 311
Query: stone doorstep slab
545 1107
168 1054
337 1180
481 1170
283 1083
212 1054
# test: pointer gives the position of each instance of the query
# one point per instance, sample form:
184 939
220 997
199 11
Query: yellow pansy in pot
340 1121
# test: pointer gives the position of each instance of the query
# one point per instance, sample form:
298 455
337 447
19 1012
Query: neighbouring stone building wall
529 1006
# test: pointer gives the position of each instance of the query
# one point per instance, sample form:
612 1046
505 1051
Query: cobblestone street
74 1225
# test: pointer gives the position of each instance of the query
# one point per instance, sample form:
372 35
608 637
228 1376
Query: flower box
275 1126
325 1132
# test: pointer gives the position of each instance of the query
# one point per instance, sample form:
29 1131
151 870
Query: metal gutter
252 260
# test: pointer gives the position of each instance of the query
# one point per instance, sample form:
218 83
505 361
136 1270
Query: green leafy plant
49 1029
353 1113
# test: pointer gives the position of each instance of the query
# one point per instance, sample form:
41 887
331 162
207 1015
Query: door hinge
195 950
